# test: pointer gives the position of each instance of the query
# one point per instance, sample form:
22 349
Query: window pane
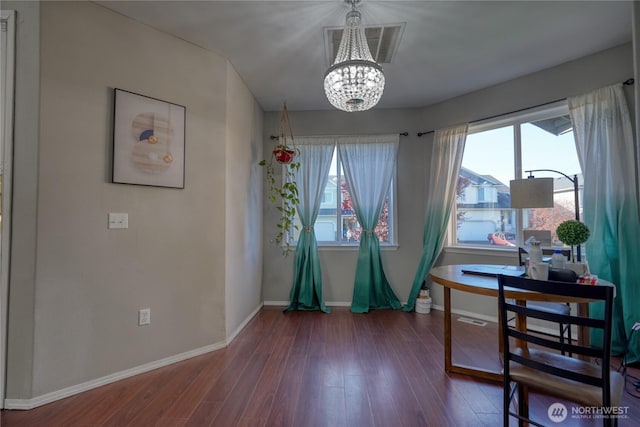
549 144
337 222
351 228
483 215
326 226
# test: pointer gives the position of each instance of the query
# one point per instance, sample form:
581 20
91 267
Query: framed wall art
148 141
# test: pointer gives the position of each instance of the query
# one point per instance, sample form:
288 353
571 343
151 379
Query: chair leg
607 422
561 336
506 402
523 404
569 335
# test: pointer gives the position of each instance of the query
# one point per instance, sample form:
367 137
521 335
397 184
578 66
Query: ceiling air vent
383 41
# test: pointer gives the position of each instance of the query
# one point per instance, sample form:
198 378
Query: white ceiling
448 47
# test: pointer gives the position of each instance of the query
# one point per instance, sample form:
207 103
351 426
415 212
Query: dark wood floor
384 368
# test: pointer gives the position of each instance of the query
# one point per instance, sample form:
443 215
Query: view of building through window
482 212
337 222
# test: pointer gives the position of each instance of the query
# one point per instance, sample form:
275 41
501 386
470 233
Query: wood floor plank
96 406
306 369
123 415
357 403
236 401
262 399
170 422
383 408
187 402
204 414
176 384
286 397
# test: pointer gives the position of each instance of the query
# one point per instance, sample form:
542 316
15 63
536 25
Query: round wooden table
453 277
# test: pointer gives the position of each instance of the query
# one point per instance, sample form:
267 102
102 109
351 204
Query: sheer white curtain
446 158
606 150
369 163
315 154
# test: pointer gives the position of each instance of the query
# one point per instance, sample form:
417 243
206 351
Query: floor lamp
533 192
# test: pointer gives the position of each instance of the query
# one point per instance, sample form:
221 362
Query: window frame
515 119
392 201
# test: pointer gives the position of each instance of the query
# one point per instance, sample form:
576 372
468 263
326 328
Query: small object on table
588 279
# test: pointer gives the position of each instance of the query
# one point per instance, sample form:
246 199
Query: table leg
500 341
583 333
449 367
447 330
521 324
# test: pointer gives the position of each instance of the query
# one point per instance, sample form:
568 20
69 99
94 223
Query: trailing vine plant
283 192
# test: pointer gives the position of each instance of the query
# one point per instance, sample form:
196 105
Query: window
337 224
499 150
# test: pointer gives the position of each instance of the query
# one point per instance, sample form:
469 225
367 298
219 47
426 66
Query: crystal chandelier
354 82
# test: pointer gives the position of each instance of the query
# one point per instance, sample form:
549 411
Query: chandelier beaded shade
355 82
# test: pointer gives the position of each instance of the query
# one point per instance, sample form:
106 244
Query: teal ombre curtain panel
369 162
605 144
446 158
315 159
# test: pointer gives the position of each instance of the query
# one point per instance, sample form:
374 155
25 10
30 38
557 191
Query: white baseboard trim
26 404
494 319
465 313
108 379
327 303
338 303
276 303
239 329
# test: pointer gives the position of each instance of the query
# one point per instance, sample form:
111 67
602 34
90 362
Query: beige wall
81 298
25 192
243 202
189 255
338 265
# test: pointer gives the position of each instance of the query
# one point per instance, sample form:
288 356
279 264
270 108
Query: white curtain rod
278 136
627 82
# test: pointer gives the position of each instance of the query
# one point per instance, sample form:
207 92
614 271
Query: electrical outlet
118 220
144 316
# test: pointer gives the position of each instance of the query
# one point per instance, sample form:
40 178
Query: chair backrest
542 236
550 251
522 253
508 304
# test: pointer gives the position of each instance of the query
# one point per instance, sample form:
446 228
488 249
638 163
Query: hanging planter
285 150
284 155
283 193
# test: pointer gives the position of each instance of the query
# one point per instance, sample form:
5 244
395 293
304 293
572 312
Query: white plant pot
423 305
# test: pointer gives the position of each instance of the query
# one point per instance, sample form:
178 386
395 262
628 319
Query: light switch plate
144 316
118 220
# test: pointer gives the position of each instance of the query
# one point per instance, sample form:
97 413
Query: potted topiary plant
573 233
282 190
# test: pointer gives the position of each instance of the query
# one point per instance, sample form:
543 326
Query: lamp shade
532 193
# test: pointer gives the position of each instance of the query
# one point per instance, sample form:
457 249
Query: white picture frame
148 141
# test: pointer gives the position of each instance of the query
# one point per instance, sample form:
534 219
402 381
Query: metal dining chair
532 361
